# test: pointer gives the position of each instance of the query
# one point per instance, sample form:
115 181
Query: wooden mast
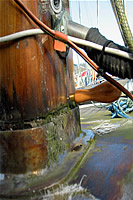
32 76
34 80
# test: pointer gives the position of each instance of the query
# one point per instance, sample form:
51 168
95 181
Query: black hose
113 64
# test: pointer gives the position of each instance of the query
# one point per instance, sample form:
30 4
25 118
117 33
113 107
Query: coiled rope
121 107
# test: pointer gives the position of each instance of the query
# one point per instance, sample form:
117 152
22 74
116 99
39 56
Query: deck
108 167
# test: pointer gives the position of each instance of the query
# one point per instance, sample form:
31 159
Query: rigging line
97 12
70 5
79 12
99 47
63 37
97 69
78 41
118 8
87 13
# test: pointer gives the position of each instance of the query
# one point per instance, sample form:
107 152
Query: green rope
124 23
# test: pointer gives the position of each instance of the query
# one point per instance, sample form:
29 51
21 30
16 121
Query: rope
121 107
31 32
60 36
123 22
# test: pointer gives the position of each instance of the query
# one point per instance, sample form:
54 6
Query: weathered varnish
33 79
34 84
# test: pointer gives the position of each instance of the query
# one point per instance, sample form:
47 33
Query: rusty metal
35 158
23 150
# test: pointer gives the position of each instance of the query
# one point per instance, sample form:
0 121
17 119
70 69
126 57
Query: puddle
89 135
85 137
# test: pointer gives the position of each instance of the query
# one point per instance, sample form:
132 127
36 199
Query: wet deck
102 170
108 167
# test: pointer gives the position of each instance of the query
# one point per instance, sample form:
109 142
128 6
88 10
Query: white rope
21 34
31 32
99 47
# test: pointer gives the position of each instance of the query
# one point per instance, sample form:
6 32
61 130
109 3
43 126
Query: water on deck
105 170
108 167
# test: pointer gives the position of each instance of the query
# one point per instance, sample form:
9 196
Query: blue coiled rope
121 107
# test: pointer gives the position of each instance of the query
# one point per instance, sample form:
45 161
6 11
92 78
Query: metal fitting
56 6
77 30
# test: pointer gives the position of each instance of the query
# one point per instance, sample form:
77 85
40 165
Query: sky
100 15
